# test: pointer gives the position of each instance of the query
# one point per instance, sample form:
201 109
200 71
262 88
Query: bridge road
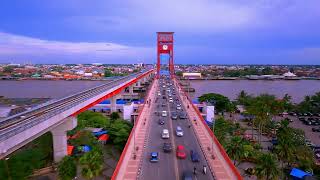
166 168
169 166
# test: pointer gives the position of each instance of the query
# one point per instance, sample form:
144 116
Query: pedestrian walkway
131 157
218 160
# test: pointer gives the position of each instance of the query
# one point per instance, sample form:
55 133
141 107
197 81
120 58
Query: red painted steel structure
115 92
165 46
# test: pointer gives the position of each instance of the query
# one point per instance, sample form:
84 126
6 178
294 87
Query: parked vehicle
316 129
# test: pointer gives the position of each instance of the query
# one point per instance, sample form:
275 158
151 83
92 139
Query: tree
267 167
244 98
264 107
222 103
119 133
67 168
108 73
267 71
91 164
8 69
235 149
92 119
114 116
179 73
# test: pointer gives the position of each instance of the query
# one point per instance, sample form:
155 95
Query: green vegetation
114 116
222 103
8 69
290 149
179 73
67 168
91 163
310 104
109 73
34 155
267 167
235 149
119 130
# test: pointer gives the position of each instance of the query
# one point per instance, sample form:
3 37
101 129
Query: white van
165 134
164 114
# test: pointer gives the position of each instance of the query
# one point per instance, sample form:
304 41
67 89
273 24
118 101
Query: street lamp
134 137
7 168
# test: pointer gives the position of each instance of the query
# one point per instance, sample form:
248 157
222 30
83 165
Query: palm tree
235 149
267 167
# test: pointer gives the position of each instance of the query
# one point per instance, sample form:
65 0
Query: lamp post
7 168
134 137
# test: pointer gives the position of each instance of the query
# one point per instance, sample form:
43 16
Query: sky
124 31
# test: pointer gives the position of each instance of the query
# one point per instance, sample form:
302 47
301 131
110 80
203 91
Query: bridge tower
165 48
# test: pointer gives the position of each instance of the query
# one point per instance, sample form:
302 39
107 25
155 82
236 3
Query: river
297 89
230 88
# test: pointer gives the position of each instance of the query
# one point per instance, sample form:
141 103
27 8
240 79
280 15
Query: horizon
207 32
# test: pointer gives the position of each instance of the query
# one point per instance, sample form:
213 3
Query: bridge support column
130 90
113 103
59 135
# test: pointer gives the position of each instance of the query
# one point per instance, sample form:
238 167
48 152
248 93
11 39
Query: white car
164 114
179 131
165 134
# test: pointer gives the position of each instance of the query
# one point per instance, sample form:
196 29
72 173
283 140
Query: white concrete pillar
113 103
210 113
127 111
131 90
59 135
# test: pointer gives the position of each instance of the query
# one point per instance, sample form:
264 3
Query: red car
181 152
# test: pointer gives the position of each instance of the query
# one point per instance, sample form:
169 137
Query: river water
44 88
230 88
297 89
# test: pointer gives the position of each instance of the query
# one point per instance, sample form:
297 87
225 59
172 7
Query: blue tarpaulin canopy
100 133
299 173
195 101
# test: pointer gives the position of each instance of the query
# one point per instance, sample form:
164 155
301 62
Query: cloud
13 46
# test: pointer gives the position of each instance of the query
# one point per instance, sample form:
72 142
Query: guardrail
221 149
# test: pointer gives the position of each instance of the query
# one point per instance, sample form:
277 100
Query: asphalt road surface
169 167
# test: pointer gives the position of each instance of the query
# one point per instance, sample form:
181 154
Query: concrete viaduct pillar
131 89
113 103
59 135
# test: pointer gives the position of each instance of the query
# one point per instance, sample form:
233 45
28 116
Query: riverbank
267 78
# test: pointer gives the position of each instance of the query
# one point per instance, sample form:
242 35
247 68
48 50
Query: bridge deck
128 166
167 168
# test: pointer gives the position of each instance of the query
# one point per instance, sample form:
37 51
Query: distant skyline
124 32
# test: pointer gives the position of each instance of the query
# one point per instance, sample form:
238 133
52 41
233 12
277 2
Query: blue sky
206 31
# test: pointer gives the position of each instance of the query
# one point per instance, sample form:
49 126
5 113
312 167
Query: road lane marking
176 168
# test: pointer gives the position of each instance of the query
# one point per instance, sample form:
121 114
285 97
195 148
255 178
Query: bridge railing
221 149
